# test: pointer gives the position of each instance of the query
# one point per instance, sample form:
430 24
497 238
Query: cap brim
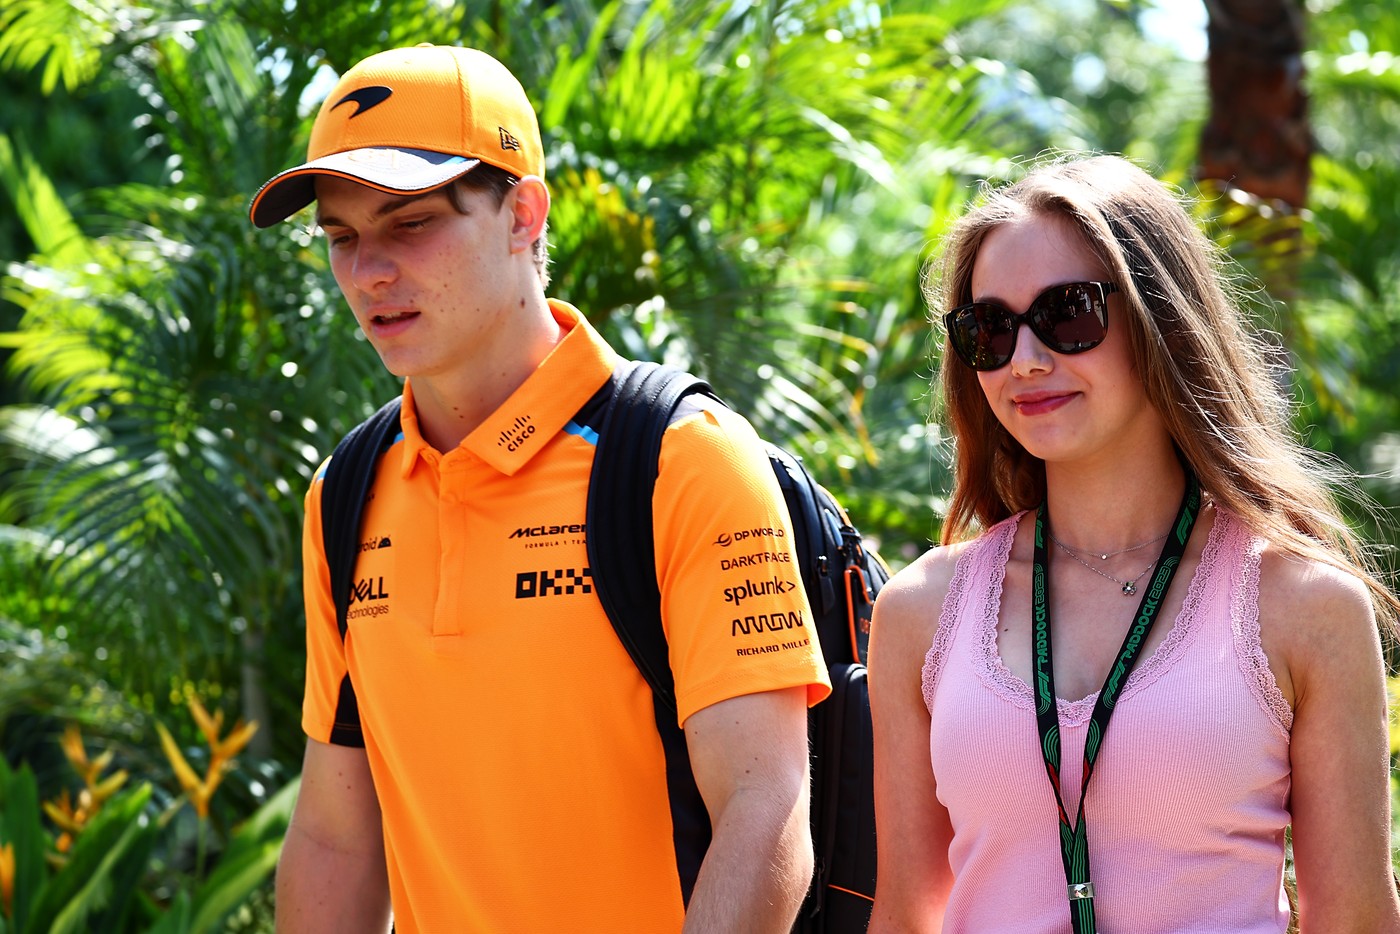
385 168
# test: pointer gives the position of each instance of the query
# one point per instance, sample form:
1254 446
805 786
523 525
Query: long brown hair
1208 374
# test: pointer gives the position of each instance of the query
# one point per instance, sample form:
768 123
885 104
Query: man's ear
529 211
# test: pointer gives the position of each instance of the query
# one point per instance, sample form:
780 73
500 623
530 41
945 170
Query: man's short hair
498 183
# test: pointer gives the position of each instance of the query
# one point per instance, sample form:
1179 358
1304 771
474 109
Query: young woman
1154 552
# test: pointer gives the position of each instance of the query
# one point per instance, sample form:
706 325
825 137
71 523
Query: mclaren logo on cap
365 98
508 141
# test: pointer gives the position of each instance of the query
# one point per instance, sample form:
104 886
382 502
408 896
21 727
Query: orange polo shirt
513 742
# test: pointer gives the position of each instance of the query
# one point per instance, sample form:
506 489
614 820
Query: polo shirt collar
539 409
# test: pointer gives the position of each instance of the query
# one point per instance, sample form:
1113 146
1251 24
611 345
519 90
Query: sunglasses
1069 318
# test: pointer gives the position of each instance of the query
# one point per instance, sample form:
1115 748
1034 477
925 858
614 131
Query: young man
504 770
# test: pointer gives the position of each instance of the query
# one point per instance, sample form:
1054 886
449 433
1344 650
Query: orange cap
408 120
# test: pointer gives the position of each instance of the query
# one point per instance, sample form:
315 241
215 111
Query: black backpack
841 576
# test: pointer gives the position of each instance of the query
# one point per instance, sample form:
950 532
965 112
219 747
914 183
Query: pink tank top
1188 802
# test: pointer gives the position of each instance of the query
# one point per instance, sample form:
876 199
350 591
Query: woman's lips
1042 403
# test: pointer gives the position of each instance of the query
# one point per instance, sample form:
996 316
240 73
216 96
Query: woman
1157 553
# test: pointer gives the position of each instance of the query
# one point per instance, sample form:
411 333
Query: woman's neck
1115 508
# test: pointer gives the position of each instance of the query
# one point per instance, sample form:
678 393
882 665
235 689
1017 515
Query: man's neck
450 406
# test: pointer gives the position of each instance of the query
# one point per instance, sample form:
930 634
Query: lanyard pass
1074 844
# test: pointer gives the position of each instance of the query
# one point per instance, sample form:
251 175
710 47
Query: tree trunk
1257 143
254 697
1257 138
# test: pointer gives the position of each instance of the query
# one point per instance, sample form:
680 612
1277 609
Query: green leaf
250 856
45 217
176 920
268 823
126 875
83 886
20 827
58 36
231 883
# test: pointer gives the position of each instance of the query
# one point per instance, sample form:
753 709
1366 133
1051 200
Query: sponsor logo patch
550 536
765 622
556 583
545 531
740 535
366 598
757 559
515 436
771 587
768 649
365 98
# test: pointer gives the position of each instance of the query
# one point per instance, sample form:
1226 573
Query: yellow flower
208 725
109 786
98 766
237 738
7 877
72 743
96 789
189 781
68 818
64 815
221 752
90 770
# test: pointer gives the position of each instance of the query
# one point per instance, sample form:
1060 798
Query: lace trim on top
997 540
1249 649
990 557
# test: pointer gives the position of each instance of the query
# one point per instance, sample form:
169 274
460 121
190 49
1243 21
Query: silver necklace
1129 587
1104 556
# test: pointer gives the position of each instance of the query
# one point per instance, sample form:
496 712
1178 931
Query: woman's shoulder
1315 617
928 576
1298 587
907 612
911 602
1311 590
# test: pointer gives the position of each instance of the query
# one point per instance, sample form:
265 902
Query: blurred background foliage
749 188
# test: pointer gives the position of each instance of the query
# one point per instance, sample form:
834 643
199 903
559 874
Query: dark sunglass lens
1072 318
982 335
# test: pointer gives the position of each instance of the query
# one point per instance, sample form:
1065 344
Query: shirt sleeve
732 601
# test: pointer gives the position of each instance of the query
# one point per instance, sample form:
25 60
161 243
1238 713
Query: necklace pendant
1129 588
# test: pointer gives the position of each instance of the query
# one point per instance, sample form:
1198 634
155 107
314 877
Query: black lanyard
1074 844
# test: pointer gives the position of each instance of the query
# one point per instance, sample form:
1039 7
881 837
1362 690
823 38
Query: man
504 742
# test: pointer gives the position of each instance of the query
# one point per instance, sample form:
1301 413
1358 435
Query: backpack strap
799 491
622 556
349 475
644 401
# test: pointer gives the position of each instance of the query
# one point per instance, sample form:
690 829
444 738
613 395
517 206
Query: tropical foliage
746 188
116 862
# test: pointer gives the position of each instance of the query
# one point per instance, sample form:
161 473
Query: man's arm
749 757
332 876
